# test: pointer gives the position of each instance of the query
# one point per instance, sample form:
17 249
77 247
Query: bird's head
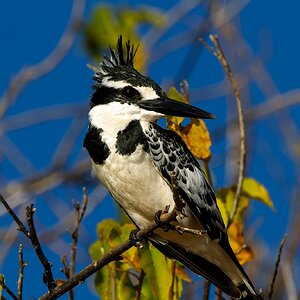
121 90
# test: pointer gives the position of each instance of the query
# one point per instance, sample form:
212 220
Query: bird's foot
136 241
164 226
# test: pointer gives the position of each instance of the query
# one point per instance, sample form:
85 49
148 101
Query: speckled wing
172 158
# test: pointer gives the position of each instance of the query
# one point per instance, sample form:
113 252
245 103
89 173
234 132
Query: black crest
120 57
119 67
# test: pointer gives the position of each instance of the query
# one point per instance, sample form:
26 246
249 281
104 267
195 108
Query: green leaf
108 22
225 201
125 288
253 189
157 272
112 277
104 283
120 235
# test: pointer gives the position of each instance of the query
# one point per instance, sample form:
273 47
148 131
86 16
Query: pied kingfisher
138 162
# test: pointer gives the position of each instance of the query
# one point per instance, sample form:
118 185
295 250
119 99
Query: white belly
136 185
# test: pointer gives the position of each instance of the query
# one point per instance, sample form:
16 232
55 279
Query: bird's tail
199 265
247 294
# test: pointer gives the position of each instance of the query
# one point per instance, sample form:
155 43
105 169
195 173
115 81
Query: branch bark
106 259
32 236
217 51
276 267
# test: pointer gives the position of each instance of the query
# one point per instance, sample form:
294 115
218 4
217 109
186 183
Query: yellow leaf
175 95
237 242
225 201
196 137
253 189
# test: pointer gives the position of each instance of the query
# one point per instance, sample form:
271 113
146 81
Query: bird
141 164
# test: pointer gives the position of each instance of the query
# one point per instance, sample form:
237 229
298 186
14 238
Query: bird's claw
159 223
137 242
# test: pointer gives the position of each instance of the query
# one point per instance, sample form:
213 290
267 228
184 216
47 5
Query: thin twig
138 290
79 213
48 276
276 267
66 268
22 265
106 259
206 290
6 288
219 294
32 236
21 226
219 54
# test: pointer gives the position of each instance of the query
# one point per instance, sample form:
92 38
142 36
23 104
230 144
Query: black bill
175 108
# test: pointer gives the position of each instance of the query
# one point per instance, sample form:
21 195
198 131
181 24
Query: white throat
115 116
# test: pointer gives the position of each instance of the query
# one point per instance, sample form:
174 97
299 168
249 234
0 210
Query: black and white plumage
136 160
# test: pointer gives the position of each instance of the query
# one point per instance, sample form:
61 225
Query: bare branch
276 267
206 290
21 226
31 235
219 294
48 276
139 286
6 288
219 54
79 213
22 265
106 259
66 268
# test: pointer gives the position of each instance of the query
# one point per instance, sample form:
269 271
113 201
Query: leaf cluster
141 273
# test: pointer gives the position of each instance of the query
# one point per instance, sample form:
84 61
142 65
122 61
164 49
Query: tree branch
48 276
106 259
22 265
31 235
140 285
276 267
21 226
79 214
219 54
6 288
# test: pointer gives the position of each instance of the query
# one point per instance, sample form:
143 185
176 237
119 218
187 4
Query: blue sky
30 30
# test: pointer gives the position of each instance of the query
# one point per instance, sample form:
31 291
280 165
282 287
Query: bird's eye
129 92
